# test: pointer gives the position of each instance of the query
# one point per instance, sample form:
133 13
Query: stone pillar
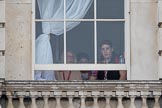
21 99
156 105
95 105
107 102
71 105
120 105
46 105
10 105
33 105
82 102
58 105
132 104
144 102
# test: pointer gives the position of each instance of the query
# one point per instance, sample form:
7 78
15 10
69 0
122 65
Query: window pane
80 42
52 10
110 9
80 10
110 42
55 35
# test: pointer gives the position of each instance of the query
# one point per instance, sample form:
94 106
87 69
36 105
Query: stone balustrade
81 94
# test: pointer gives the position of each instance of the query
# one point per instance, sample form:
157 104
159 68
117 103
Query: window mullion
64 31
95 32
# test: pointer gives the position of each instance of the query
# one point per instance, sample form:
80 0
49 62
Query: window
80 28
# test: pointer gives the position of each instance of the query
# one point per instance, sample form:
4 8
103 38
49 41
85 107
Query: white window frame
94 66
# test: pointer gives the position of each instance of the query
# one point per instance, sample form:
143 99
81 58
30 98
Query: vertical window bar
95 32
64 31
33 36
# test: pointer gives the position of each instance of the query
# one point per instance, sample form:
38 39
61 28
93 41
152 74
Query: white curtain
54 9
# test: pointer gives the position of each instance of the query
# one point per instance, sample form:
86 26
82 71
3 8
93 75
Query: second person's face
106 51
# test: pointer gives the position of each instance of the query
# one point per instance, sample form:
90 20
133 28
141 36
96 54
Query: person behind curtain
69 75
83 58
108 56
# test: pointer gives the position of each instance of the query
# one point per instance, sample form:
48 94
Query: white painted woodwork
160 39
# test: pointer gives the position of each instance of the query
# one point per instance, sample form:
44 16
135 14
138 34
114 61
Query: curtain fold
54 9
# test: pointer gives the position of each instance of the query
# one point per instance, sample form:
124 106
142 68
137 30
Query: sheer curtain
54 9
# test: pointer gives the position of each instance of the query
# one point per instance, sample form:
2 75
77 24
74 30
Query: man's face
106 51
70 57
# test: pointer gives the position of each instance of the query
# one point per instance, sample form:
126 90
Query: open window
80 27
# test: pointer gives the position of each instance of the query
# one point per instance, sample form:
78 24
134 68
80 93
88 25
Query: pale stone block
18 1
33 93
18 41
46 93
2 38
157 93
57 93
64 93
21 93
2 66
144 65
132 93
160 39
160 11
70 93
144 93
2 11
106 93
95 93
160 67
120 93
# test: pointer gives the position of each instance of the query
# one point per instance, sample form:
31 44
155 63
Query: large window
64 31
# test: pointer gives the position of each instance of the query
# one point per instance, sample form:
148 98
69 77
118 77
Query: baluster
33 105
156 105
10 105
71 105
120 105
107 102
95 102
58 105
144 102
82 102
46 102
132 102
21 100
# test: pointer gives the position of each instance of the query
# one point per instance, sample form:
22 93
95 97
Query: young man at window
109 57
